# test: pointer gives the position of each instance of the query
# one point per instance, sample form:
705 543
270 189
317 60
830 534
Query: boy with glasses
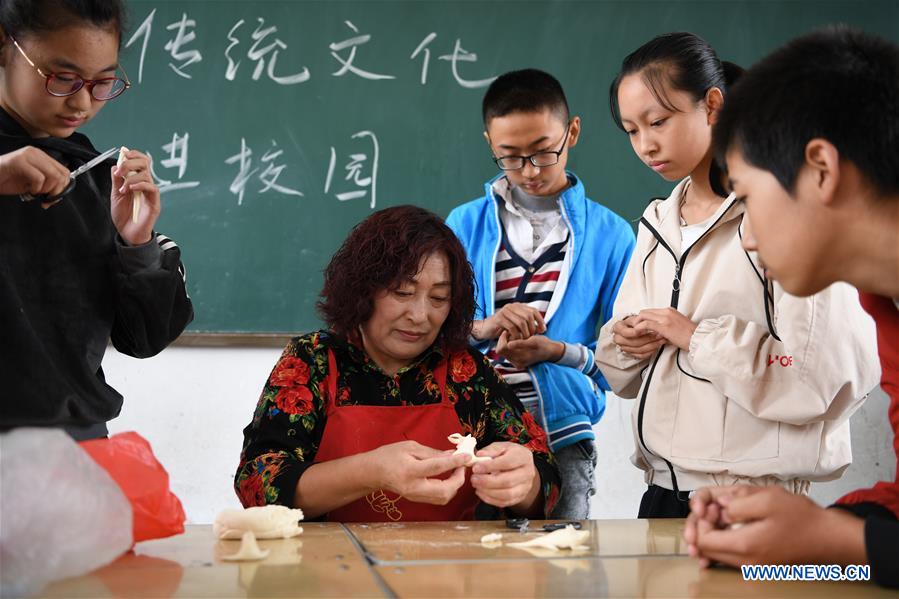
547 262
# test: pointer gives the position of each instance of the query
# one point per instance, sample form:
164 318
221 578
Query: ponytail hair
717 172
732 72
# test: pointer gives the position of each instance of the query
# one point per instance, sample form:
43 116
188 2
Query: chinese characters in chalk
266 172
352 173
360 176
261 48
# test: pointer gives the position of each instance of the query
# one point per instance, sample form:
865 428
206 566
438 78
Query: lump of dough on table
249 550
266 522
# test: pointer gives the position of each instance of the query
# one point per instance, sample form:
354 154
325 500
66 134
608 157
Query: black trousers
659 502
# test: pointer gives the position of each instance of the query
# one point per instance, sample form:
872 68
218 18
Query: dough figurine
138 196
564 538
466 446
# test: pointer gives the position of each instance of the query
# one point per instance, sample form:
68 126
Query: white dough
267 522
570 566
564 538
249 550
466 446
138 195
494 539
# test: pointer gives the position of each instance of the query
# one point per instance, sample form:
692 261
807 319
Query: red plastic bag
129 460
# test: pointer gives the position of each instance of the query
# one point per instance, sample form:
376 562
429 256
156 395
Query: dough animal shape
466 446
564 538
138 196
267 522
249 550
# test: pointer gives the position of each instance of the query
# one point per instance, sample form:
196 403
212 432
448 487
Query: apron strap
441 371
331 399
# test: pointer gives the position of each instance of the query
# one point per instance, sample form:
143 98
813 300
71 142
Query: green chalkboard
277 125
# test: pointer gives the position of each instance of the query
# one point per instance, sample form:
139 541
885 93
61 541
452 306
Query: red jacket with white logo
882 532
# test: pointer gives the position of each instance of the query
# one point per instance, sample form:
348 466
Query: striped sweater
518 281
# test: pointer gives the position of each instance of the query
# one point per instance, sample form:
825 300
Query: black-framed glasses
67 84
539 159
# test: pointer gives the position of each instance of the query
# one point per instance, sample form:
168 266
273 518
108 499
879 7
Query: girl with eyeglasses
78 264
735 380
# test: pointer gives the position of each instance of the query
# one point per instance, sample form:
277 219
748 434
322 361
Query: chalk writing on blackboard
176 47
145 30
253 53
266 46
260 54
177 158
355 169
268 177
459 54
347 62
359 180
423 47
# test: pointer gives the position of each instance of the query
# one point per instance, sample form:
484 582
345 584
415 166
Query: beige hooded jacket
765 393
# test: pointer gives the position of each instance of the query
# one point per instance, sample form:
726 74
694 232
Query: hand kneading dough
564 538
249 550
267 522
466 446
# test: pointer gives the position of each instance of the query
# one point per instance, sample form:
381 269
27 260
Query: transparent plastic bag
61 514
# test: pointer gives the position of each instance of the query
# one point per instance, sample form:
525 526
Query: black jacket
67 285
881 541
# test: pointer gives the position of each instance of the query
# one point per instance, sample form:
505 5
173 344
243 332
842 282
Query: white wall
192 405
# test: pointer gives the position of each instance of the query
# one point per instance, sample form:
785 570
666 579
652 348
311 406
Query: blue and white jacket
599 249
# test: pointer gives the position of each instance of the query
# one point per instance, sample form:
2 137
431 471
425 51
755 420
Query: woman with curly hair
353 421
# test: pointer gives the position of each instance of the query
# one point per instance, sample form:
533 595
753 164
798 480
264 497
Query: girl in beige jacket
735 380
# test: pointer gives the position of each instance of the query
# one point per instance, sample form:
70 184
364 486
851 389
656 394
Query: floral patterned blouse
283 438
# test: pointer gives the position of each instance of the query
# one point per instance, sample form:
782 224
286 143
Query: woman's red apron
350 430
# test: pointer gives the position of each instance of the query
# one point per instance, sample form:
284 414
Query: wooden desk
395 543
626 558
321 562
601 577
